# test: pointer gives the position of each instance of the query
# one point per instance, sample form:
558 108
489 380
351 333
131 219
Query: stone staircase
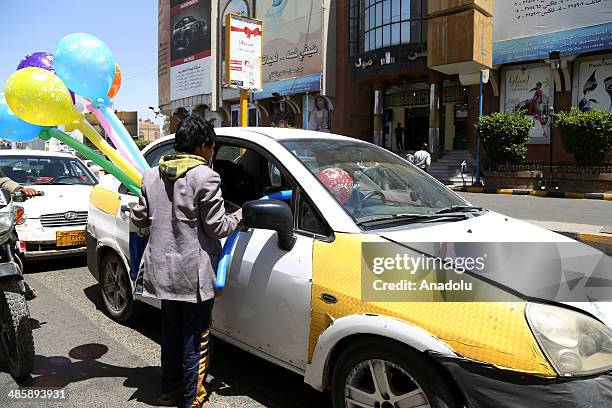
447 168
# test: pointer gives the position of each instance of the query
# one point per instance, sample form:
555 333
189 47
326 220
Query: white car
54 224
310 284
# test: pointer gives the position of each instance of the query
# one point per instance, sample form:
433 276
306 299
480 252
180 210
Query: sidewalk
534 193
596 236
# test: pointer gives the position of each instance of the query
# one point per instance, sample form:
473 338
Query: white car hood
57 199
574 265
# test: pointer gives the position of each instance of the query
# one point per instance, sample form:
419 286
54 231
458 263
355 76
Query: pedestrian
182 206
399 136
422 158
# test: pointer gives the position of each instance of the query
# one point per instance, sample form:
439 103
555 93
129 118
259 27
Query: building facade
147 130
363 67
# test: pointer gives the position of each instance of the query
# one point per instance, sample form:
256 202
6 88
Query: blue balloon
14 129
86 65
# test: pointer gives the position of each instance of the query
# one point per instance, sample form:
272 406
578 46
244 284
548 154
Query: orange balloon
116 83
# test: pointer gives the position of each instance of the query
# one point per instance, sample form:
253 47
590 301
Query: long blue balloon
230 242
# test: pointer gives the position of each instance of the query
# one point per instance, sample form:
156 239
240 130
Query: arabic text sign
528 29
292 43
190 48
244 41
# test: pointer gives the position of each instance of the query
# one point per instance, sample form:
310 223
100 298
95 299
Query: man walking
422 158
399 136
181 204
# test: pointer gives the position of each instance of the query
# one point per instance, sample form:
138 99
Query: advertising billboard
529 29
593 87
530 90
163 52
292 48
190 48
244 41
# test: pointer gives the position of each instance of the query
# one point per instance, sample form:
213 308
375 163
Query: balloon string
124 136
119 145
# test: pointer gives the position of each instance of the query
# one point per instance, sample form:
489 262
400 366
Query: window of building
375 24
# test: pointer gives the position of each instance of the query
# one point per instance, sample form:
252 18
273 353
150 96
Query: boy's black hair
192 132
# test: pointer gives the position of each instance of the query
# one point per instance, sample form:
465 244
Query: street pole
551 112
244 108
307 112
477 182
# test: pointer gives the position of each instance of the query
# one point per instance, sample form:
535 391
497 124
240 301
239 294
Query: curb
534 193
603 242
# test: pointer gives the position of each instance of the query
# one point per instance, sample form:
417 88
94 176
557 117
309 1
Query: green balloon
65 138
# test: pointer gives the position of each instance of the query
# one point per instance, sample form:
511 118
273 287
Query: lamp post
477 182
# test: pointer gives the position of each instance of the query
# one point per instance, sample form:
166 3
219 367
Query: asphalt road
577 211
100 363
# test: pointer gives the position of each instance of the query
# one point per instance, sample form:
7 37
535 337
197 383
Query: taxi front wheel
377 373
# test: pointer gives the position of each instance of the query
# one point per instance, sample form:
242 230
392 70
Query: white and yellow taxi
301 292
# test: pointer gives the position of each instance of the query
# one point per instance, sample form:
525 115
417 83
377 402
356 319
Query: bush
142 143
504 136
587 135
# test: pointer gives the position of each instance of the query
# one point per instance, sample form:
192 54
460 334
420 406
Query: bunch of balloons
40 96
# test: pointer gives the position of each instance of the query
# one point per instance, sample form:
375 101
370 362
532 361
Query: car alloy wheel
115 286
379 383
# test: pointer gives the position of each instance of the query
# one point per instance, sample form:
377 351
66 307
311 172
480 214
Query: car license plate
69 238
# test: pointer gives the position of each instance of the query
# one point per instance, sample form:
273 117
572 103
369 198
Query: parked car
187 30
294 293
55 224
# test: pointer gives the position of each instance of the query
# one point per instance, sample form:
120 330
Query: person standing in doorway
182 206
422 158
399 136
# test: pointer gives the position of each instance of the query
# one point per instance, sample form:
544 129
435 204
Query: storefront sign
244 38
292 47
190 62
530 90
593 89
528 30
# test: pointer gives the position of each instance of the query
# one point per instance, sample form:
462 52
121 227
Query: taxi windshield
40 170
371 183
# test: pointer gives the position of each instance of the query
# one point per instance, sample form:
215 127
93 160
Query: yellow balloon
39 97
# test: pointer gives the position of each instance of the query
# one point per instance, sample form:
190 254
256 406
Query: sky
128 27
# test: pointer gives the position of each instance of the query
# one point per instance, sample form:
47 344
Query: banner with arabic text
528 29
292 49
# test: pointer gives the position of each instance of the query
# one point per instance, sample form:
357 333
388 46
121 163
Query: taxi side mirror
273 215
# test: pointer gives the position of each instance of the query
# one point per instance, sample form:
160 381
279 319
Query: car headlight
7 220
574 343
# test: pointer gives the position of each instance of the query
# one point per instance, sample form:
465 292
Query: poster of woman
530 90
319 114
593 90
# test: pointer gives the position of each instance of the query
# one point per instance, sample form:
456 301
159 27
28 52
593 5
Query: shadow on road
233 372
59 371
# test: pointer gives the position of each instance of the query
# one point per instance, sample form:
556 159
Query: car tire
115 288
403 375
